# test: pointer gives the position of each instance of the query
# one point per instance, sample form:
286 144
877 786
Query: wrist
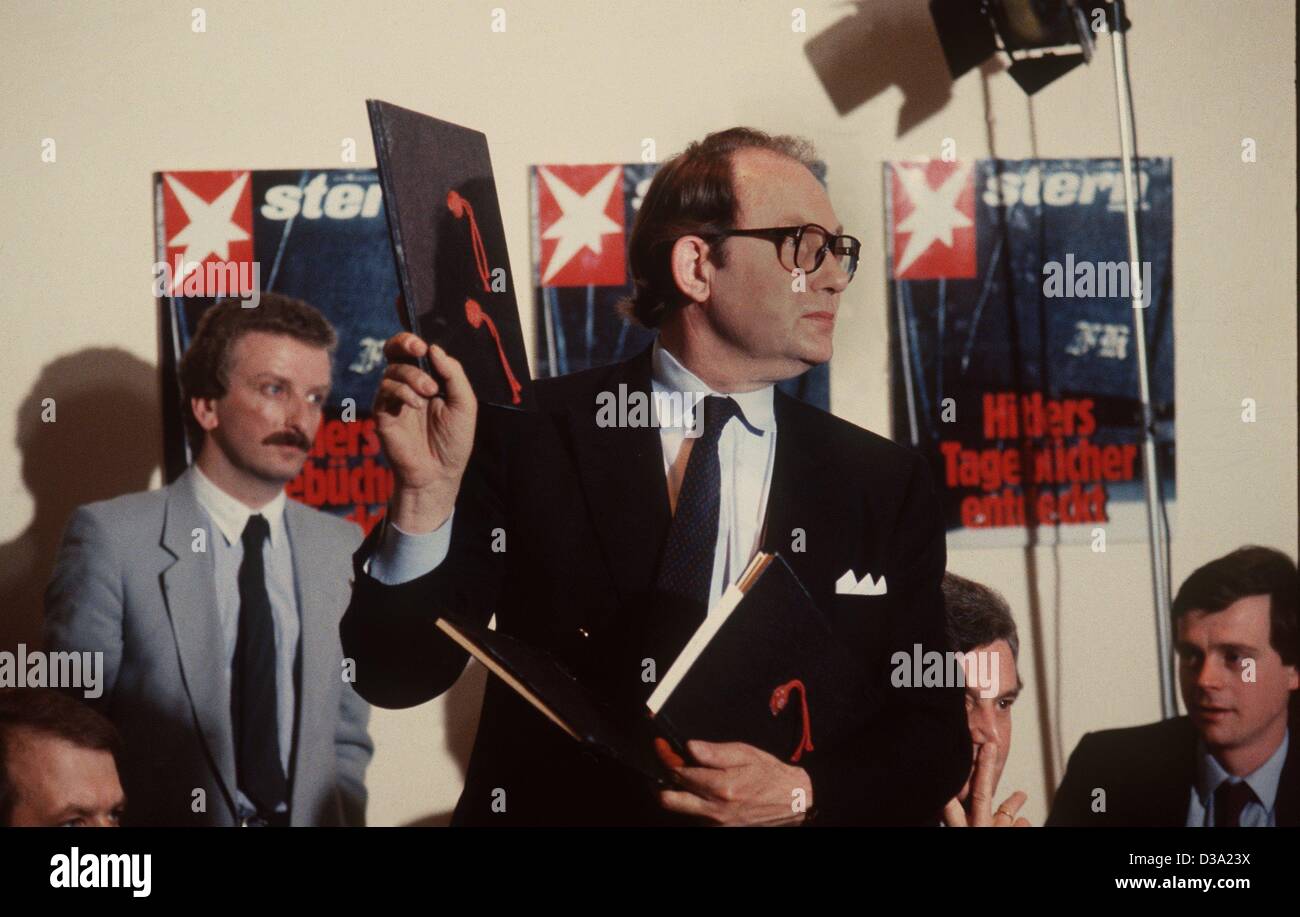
419 510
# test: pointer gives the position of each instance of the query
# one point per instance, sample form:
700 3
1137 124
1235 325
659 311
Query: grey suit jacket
128 583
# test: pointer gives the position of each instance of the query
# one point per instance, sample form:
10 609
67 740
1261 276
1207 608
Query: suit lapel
317 637
1170 776
803 492
1286 808
189 590
622 474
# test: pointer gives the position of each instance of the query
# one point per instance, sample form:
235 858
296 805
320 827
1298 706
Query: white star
583 220
210 229
934 215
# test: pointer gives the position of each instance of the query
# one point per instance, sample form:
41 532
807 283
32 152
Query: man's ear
205 412
692 270
1293 677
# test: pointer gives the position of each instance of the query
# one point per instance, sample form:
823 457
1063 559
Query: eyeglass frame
778 235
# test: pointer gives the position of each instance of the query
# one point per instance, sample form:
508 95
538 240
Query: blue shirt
1264 781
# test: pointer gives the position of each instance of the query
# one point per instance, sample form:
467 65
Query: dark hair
204 369
976 615
1248 571
692 193
49 712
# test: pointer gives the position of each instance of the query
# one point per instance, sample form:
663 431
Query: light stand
1045 39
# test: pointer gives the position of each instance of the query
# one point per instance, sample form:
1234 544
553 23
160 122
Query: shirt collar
1263 781
667 374
231 515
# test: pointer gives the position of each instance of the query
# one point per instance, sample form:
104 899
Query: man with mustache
1231 762
216 601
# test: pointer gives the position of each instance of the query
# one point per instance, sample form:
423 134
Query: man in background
58 763
980 625
1230 762
216 600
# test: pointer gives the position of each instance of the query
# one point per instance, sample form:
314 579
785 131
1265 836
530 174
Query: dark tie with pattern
1229 799
253 698
686 570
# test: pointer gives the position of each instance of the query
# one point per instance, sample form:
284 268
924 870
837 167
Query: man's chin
812 355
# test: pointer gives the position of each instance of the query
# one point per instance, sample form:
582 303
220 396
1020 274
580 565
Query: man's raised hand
980 813
427 440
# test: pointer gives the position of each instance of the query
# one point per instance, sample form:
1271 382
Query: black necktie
253 697
1229 799
686 570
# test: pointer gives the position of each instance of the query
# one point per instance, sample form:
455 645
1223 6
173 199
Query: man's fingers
1023 823
722 754
1006 812
981 793
1011 805
709 782
412 376
392 395
458 389
686 803
404 346
954 816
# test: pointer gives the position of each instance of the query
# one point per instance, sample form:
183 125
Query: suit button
582 632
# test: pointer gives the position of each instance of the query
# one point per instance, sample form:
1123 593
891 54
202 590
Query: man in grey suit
216 601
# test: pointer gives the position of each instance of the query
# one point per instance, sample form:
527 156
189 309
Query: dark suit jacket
1147 773
585 514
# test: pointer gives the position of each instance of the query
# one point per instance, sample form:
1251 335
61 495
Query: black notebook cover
450 247
771 673
772 676
628 740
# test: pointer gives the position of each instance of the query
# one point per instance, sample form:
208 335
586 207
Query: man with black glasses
575 533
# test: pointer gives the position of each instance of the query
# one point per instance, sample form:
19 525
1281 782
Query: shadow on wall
883 44
104 441
464 701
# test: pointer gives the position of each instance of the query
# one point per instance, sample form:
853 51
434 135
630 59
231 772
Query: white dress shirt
230 516
746 452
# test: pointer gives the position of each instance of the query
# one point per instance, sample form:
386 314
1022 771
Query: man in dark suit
607 543
216 600
1230 762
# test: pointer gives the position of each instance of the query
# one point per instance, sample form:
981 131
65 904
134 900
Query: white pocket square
848 584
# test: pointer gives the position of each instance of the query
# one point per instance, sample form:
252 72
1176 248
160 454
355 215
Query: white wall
127 88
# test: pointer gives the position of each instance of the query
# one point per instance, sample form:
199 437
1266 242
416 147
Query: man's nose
1211 673
298 411
983 727
832 275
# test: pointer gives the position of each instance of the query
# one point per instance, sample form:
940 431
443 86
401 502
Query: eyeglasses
811 243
